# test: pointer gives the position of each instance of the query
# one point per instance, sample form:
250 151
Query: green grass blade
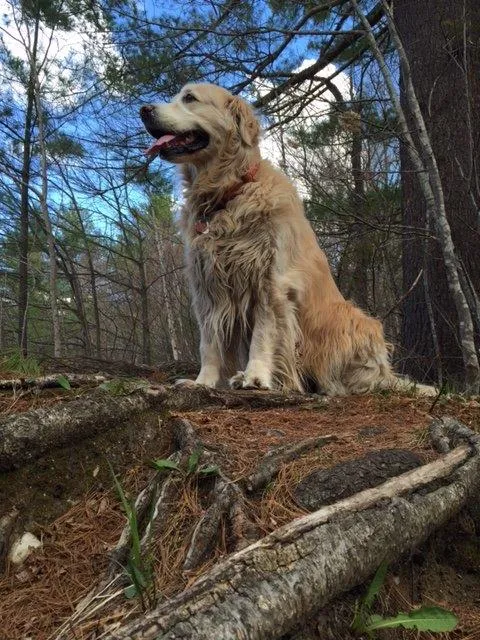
423 619
212 470
130 592
121 493
193 460
131 517
374 586
362 612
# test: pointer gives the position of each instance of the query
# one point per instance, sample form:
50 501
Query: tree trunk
172 331
425 164
89 256
360 258
93 287
57 338
143 290
70 272
24 197
444 68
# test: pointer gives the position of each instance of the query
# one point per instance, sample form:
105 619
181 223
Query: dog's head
199 122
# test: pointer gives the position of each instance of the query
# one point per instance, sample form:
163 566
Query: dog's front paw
185 383
201 381
242 380
236 381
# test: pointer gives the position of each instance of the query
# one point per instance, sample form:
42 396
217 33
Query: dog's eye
189 97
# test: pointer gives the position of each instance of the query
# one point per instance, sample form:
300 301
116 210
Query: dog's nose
146 110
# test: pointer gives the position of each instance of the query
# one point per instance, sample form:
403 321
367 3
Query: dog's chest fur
230 267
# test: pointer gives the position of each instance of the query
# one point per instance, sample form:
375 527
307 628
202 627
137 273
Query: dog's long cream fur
269 311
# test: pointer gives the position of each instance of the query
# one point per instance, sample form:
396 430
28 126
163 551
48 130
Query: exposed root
315 558
228 502
271 463
149 500
7 524
446 433
28 435
157 505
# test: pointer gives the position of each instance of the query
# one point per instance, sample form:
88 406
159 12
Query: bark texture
52 380
444 69
424 162
26 436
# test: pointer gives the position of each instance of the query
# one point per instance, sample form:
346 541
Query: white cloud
276 144
67 56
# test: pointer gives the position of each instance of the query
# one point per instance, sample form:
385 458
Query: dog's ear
245 119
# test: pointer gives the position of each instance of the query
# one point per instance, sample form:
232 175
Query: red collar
202 223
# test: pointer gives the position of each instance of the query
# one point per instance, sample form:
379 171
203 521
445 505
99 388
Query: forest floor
66 498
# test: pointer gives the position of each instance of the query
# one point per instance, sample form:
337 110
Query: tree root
7 524
267 589
272 462
26 436
158 500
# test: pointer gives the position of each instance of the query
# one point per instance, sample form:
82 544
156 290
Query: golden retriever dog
269 311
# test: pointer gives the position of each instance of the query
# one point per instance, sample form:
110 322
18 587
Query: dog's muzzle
168 142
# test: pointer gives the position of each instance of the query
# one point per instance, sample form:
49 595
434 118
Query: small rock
22 547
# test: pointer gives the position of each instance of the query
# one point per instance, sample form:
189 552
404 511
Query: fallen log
51 381
26 436
268 589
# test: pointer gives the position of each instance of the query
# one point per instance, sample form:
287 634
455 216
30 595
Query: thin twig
405 295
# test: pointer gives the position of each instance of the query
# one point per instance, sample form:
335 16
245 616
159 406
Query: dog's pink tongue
158 144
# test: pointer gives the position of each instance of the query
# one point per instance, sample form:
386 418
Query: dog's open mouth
170 144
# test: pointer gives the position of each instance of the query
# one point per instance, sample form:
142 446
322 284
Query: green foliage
62 146
212 470
123 386
160 209
433 619
193 460
15 362
58 13
164 464
63 382
139 568
364 607
375 586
